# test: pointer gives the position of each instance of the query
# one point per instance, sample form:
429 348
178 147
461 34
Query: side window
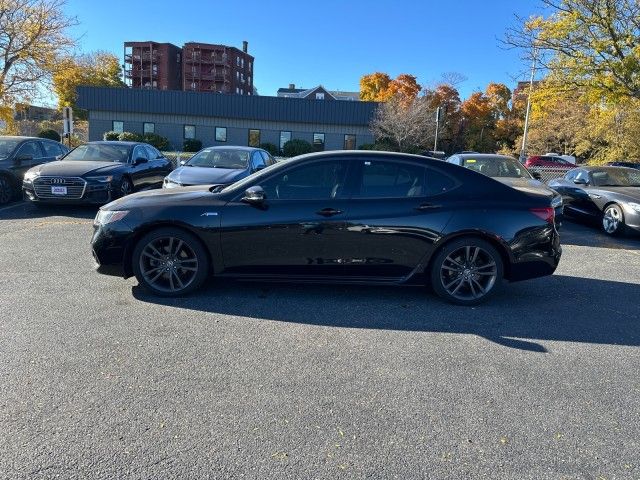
437 183
386 179
30 149
268 159
138 152
152 153
317 181
51 149
257 161
454 160
571 175
583 175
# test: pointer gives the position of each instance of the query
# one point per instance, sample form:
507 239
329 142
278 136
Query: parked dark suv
19 154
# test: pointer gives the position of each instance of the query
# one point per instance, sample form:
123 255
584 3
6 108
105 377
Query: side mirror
536 175
579 181
140 160
254 196
183 163
23 158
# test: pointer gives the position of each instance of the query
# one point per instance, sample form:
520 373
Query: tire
7 191
467 271
613 220
126 187
170 262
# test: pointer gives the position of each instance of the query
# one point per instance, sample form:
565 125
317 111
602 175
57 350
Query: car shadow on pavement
585 234
556 308
26 210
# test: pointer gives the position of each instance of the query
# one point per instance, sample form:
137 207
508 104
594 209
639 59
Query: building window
254 138
349 142
242 62
249 66
117 126
221 134
237 89
189 131
242 77
149 128
318 142
319 96
237 61
284 138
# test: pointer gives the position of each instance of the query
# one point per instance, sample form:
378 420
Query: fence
548 173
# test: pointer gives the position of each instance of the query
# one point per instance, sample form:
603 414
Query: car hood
205 175
527 185
154 198
73 168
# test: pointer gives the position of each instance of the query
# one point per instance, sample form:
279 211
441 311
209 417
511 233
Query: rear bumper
537 255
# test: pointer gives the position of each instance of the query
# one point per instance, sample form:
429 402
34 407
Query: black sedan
96 173
218 166
610 195
343 217
19 154
509 171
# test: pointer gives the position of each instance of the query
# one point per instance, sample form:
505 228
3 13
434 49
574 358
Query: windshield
220 158
615 177
100 153
7 147
504 167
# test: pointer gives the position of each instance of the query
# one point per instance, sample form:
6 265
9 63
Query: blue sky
332 43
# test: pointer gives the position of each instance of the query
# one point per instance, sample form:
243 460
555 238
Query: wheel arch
127 258
495 242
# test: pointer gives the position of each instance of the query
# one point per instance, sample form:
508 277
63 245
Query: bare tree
407 125
33 35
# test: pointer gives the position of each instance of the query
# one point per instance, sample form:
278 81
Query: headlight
31 176
634 206
109 216
168 183
101 179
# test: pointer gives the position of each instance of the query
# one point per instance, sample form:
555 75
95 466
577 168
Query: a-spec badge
209 214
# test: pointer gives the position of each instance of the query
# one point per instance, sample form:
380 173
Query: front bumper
109 247
93 194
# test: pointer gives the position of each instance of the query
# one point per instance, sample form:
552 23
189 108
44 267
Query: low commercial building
218 119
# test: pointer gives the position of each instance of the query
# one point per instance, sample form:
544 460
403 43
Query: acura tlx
335 217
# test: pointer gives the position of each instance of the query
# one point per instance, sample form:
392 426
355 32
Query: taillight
548 214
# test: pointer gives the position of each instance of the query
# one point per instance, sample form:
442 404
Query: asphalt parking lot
99 380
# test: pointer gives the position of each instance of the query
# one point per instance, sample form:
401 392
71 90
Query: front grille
75 187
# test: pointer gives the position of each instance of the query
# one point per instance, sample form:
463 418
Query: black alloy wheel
6 189
170 262
613 220
467 271
126 187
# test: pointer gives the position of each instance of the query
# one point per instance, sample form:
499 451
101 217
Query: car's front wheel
126 187
170 262
467 271
613 220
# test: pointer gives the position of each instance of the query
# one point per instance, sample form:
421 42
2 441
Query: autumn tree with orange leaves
379 87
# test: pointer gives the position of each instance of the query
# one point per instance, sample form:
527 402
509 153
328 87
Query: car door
141 171
160 166
28 155
575 196
299 231
397 211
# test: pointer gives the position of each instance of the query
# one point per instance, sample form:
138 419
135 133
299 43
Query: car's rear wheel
467 271
6 189
613 220
170 262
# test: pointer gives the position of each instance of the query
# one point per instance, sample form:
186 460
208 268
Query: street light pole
523 151
435 144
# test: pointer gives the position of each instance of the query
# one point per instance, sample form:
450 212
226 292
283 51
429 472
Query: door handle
328 212
428 206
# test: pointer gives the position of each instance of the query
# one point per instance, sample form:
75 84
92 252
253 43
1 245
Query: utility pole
523 151
435 144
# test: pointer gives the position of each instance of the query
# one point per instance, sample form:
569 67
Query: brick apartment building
153 65
200 67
